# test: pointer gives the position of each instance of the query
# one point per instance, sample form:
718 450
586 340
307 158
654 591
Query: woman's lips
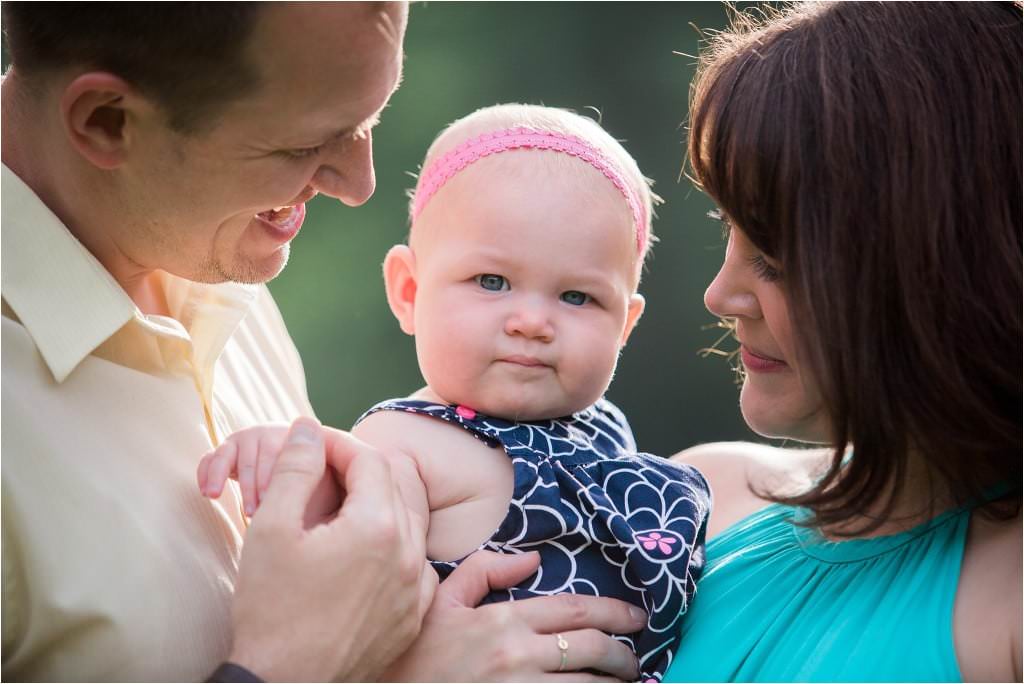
757 363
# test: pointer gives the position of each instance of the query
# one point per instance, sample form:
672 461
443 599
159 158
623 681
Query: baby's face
526 279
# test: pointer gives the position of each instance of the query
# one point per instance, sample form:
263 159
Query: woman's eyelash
763 269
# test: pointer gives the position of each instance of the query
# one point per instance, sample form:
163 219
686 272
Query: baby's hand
247 456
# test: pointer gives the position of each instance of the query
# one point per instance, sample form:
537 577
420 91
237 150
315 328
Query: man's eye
575 297
490 281
302 152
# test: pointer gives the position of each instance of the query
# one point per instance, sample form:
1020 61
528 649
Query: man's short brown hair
189 57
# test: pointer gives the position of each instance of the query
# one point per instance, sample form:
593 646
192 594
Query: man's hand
340 600
515 641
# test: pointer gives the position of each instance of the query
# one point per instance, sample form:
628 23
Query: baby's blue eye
490 281
575 297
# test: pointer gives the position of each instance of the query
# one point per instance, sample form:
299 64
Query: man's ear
636 309
95 108
400 285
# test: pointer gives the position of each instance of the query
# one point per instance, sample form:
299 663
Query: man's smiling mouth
278 214
288 218
284 222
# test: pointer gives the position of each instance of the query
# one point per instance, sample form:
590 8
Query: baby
530 226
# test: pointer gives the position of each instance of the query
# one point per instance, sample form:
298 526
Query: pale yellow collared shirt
114 566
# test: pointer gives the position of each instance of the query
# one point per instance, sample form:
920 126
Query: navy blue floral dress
606 520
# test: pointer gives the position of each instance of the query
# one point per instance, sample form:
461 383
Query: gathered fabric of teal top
778 602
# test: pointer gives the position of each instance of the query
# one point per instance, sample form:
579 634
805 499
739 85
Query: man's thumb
299 468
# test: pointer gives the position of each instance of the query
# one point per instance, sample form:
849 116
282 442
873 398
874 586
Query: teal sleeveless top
778 602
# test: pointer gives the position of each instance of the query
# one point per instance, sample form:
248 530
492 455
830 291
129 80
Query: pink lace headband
442 169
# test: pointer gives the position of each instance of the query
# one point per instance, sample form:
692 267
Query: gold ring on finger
563 646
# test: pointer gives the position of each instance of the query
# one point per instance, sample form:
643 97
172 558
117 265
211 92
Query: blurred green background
618 57
633 63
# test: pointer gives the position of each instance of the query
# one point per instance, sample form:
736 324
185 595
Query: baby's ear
636 309
400 285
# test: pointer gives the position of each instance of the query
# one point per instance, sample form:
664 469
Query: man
157 158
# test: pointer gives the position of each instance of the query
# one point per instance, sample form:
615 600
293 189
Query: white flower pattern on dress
606 520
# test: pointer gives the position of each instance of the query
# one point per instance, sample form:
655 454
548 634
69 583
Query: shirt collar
70 304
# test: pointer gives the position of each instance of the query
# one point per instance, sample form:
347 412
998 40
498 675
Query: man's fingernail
637 614
302 433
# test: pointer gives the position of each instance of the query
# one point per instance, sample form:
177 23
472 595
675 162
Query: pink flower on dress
655 539
465 412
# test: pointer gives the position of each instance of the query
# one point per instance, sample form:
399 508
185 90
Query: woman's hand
339 600
516 640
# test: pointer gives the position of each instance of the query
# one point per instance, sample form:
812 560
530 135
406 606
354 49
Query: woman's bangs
740 156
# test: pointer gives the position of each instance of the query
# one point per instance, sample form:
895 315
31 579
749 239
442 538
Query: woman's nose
530 320
346 171
729 294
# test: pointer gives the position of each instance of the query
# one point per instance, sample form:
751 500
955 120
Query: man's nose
530 320
346 171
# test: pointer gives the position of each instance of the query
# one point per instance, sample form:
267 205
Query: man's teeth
277 213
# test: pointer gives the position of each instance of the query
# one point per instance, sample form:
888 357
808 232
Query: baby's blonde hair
555 120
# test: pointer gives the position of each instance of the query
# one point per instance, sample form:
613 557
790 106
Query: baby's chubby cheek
585 383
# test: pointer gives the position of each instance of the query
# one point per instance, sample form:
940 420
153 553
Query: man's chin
255 272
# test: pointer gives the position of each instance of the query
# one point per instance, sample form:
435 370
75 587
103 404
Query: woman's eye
490 281
763 269
575 297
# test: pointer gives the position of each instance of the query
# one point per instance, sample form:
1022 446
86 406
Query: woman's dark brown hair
874 151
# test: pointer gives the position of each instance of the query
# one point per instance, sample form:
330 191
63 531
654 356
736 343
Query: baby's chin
511 399
517 409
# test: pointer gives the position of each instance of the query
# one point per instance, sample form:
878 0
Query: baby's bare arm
403 467
467 484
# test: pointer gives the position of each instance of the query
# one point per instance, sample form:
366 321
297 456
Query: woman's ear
95 109
636 309
400 285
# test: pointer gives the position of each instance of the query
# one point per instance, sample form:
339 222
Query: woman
866 159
